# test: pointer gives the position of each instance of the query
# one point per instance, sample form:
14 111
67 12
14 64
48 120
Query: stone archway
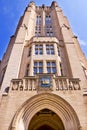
46 120
49 101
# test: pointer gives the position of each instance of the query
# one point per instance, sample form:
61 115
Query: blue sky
11 10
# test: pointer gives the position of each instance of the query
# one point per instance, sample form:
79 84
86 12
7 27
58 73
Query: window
38 26
38 19
49 33
2 74
38 49
48 26
50 49
58 52
29 52
85 70
48 19
38 67
38 30
49 30
27 70
61 70
51 67
37 34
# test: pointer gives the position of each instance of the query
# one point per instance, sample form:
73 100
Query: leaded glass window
38 67
50 49
51 67
38 49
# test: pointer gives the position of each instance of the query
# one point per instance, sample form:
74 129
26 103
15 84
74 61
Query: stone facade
43 74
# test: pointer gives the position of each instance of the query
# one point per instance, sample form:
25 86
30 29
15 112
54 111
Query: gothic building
43 74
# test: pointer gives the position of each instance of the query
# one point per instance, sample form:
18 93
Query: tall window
27 70
3 73
48 19
49 30
85 71
51 67
38 49
38 19
38 67
29 52
38 26
50 49
58 51
61 70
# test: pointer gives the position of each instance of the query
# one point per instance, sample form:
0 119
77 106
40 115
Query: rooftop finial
43 5
32 3
54 3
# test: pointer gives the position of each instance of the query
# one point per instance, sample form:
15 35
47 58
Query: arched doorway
46 119
64 113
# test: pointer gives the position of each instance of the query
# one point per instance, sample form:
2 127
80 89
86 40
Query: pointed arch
46 101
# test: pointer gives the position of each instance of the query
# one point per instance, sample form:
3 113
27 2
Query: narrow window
48 26
38 19
29 52
2 74
48 19
27 70
38 26
58 52
85 71
61 70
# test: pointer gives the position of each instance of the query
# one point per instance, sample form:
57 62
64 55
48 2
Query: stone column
44 49
43 23
44 67
55 49
58 67
31 61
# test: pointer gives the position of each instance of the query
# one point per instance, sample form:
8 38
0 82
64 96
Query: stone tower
43 74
